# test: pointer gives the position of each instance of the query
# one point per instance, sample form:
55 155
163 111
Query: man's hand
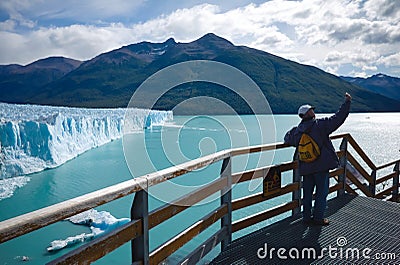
347 97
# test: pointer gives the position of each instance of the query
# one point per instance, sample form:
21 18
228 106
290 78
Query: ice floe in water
8 186
99 223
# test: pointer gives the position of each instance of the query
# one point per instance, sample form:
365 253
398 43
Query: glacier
35 137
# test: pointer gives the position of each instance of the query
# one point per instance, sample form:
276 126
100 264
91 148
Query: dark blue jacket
319 130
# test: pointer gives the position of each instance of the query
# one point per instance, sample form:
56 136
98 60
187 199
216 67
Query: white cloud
390 60
358 74
76 41
13 8
362 33
332 69
334 57
364 60
8 25
269 38
369 68
382 9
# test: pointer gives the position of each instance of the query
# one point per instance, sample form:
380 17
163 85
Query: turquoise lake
183 139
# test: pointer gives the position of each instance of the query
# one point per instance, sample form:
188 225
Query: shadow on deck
362 231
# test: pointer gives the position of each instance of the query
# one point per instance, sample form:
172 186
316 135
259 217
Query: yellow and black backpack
308 149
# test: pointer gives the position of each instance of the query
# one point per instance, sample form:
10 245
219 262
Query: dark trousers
320 181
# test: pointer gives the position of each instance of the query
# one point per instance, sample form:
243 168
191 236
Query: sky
343 37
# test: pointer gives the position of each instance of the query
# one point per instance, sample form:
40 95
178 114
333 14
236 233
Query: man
316 173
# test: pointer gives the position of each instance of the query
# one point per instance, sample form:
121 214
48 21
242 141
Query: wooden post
296 195
140 245
372 185
226 198
395 192
343 164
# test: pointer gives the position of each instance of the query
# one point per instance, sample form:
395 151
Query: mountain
109 80
20 83
382 84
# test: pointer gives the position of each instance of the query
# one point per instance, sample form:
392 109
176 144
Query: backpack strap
307 132
319 132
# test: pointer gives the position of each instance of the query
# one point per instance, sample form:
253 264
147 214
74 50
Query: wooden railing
367 184
142 221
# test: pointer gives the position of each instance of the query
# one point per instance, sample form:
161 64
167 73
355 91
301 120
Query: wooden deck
362 231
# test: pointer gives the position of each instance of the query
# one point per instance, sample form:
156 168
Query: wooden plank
165 250
388 164
336 187
358 184
286 166
340 153
262 216
361 152
226 199
350 190
385 178
101 246
381 194
358 167
29 222
394 199
248 175
260 172
339 136
257 198
167 211
336 172
347 186
204 248
140 211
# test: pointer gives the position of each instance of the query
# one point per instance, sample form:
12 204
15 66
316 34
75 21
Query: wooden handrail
336 172
361 152
29 222
339 136
388 164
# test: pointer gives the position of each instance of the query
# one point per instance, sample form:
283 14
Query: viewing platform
363 210
362 231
